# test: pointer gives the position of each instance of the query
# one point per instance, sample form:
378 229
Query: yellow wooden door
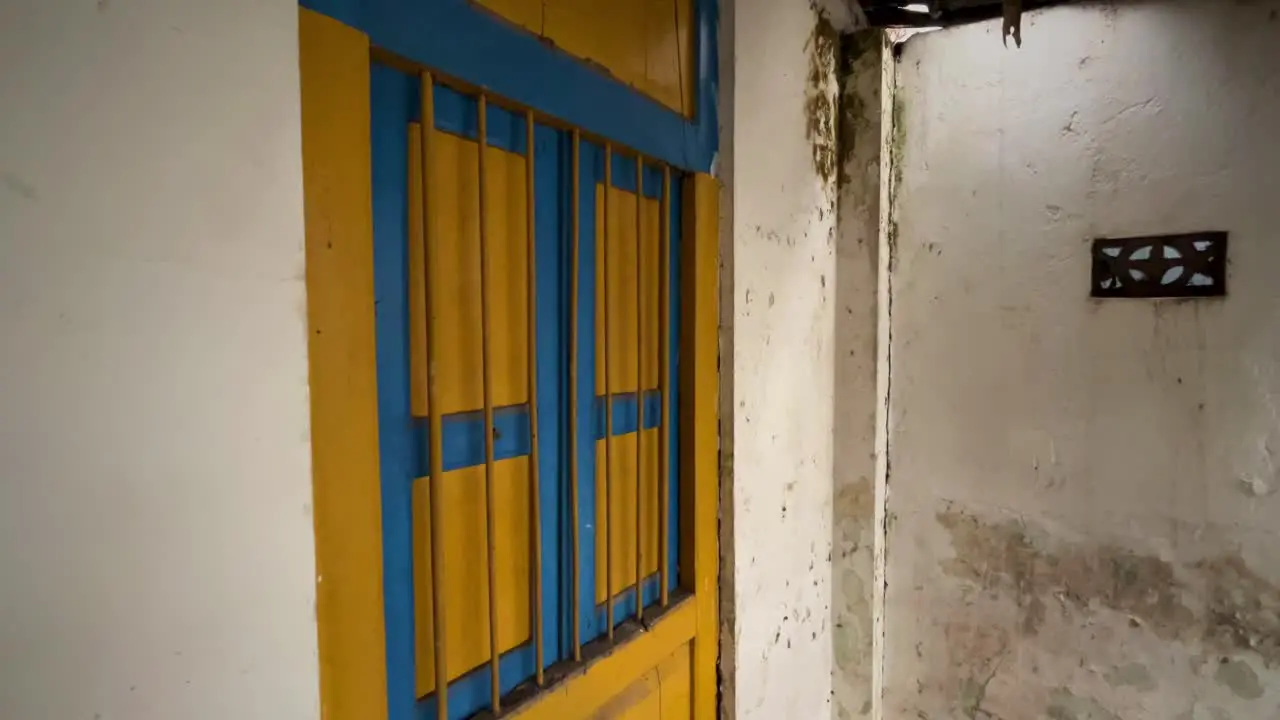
521 231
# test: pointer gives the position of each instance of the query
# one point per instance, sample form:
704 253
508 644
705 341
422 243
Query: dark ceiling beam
885 15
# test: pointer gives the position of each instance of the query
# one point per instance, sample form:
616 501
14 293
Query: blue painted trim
557 176
470 694
400 455
673 418
624 413
455 38
590 170
623 170
624 604
552 364
460 115
463 438
463 433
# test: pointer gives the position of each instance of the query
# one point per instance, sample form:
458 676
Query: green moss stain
897 155
857 57
819 103
1065 705
1134 675
1239 677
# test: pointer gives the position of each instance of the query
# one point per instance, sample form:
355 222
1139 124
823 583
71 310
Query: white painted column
779 164
855 502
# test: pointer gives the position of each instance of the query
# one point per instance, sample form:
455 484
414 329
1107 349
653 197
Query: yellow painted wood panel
647 44
700 429
455 235
669 44
466 570
622 284
608 34
662 693
336 179
591 694
675 685
622 519
527 15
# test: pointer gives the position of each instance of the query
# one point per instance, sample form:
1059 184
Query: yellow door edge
336 175
700 430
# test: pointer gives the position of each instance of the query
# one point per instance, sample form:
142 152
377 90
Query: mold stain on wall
1238 610
1219 610
820 98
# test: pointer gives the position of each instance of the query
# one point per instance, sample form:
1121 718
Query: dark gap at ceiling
944 13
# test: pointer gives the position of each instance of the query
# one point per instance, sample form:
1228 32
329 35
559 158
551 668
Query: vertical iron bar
486 370
573 406
534 480
417 278
639 384
608 397
664 363
435 432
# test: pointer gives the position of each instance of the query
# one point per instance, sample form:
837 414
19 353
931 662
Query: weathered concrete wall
857 259
780 167
1081 508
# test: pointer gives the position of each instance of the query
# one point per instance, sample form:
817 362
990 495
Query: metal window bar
573 402
664 381
486 371
608 397
435 419
639 478
435 430
535 505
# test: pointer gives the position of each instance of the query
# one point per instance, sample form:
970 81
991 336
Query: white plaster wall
1081 510
155 530
778 163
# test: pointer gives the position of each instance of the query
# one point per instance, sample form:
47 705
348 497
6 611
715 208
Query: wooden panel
661 693
455 232
605 33
675 685
700 429
622 290
528 15
599 691
467 585
622 519
647 44
336 173
669 46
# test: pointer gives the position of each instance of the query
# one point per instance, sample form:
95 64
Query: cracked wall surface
1081 512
